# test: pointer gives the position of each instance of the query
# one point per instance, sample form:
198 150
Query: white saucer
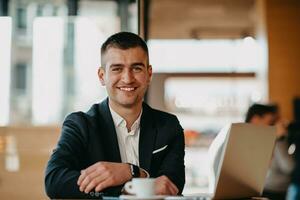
133 197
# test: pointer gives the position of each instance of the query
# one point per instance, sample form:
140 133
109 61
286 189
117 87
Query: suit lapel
110 140
147 139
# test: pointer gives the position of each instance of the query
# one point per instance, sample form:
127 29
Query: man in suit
282 164
120 138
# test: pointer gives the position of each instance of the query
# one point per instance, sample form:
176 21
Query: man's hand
163 186
102 175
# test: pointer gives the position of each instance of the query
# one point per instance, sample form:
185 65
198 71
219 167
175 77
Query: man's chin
127 103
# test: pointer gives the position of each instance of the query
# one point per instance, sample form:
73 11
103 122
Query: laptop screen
240 157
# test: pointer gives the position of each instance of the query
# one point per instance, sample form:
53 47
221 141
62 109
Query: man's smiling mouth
128 89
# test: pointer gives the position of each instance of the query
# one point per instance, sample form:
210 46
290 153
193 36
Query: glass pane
55 57
237 55
20 77
21 18
209 103
5 67
47 69
65 67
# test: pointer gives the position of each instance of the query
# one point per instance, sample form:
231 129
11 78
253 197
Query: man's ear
150 72
101 75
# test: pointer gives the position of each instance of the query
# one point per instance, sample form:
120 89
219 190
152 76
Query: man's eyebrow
138 64
116 65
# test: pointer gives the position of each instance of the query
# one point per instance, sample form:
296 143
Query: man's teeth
127 89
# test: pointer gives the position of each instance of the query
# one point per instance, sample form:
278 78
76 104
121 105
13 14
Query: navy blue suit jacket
87 138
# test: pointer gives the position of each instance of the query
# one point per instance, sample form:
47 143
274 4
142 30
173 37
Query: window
5 68
21 18
21 76
238 55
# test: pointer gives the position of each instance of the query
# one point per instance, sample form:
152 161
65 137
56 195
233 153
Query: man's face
126 75
266 119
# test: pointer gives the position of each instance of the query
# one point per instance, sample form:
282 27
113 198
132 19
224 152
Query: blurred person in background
294 140
122 137
282 164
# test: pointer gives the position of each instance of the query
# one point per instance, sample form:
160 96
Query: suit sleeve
63 168
173 163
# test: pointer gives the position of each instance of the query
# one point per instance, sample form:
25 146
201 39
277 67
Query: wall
283 26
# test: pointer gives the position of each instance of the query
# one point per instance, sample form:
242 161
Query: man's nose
127 76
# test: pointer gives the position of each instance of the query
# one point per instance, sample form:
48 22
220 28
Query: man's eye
137 69
116 69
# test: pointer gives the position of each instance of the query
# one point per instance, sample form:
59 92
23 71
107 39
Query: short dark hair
260 110
124 40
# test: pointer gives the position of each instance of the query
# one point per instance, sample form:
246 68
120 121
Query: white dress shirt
128 141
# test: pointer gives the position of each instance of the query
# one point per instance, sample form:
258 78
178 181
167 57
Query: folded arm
68 159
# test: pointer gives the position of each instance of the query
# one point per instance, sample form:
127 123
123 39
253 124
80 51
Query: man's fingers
81 177
89 170
84 183
103 175
174 190
102 185
95 175
165 186
166 190
95 182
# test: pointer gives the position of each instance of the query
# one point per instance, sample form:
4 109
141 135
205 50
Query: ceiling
198 19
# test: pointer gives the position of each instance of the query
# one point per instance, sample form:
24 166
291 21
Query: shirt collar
121 122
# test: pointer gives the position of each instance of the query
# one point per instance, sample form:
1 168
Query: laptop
240 157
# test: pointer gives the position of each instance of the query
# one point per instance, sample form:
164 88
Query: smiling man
120 138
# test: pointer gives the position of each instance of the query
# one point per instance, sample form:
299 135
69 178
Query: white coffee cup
141 187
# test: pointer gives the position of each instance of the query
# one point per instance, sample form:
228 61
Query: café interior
211 60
